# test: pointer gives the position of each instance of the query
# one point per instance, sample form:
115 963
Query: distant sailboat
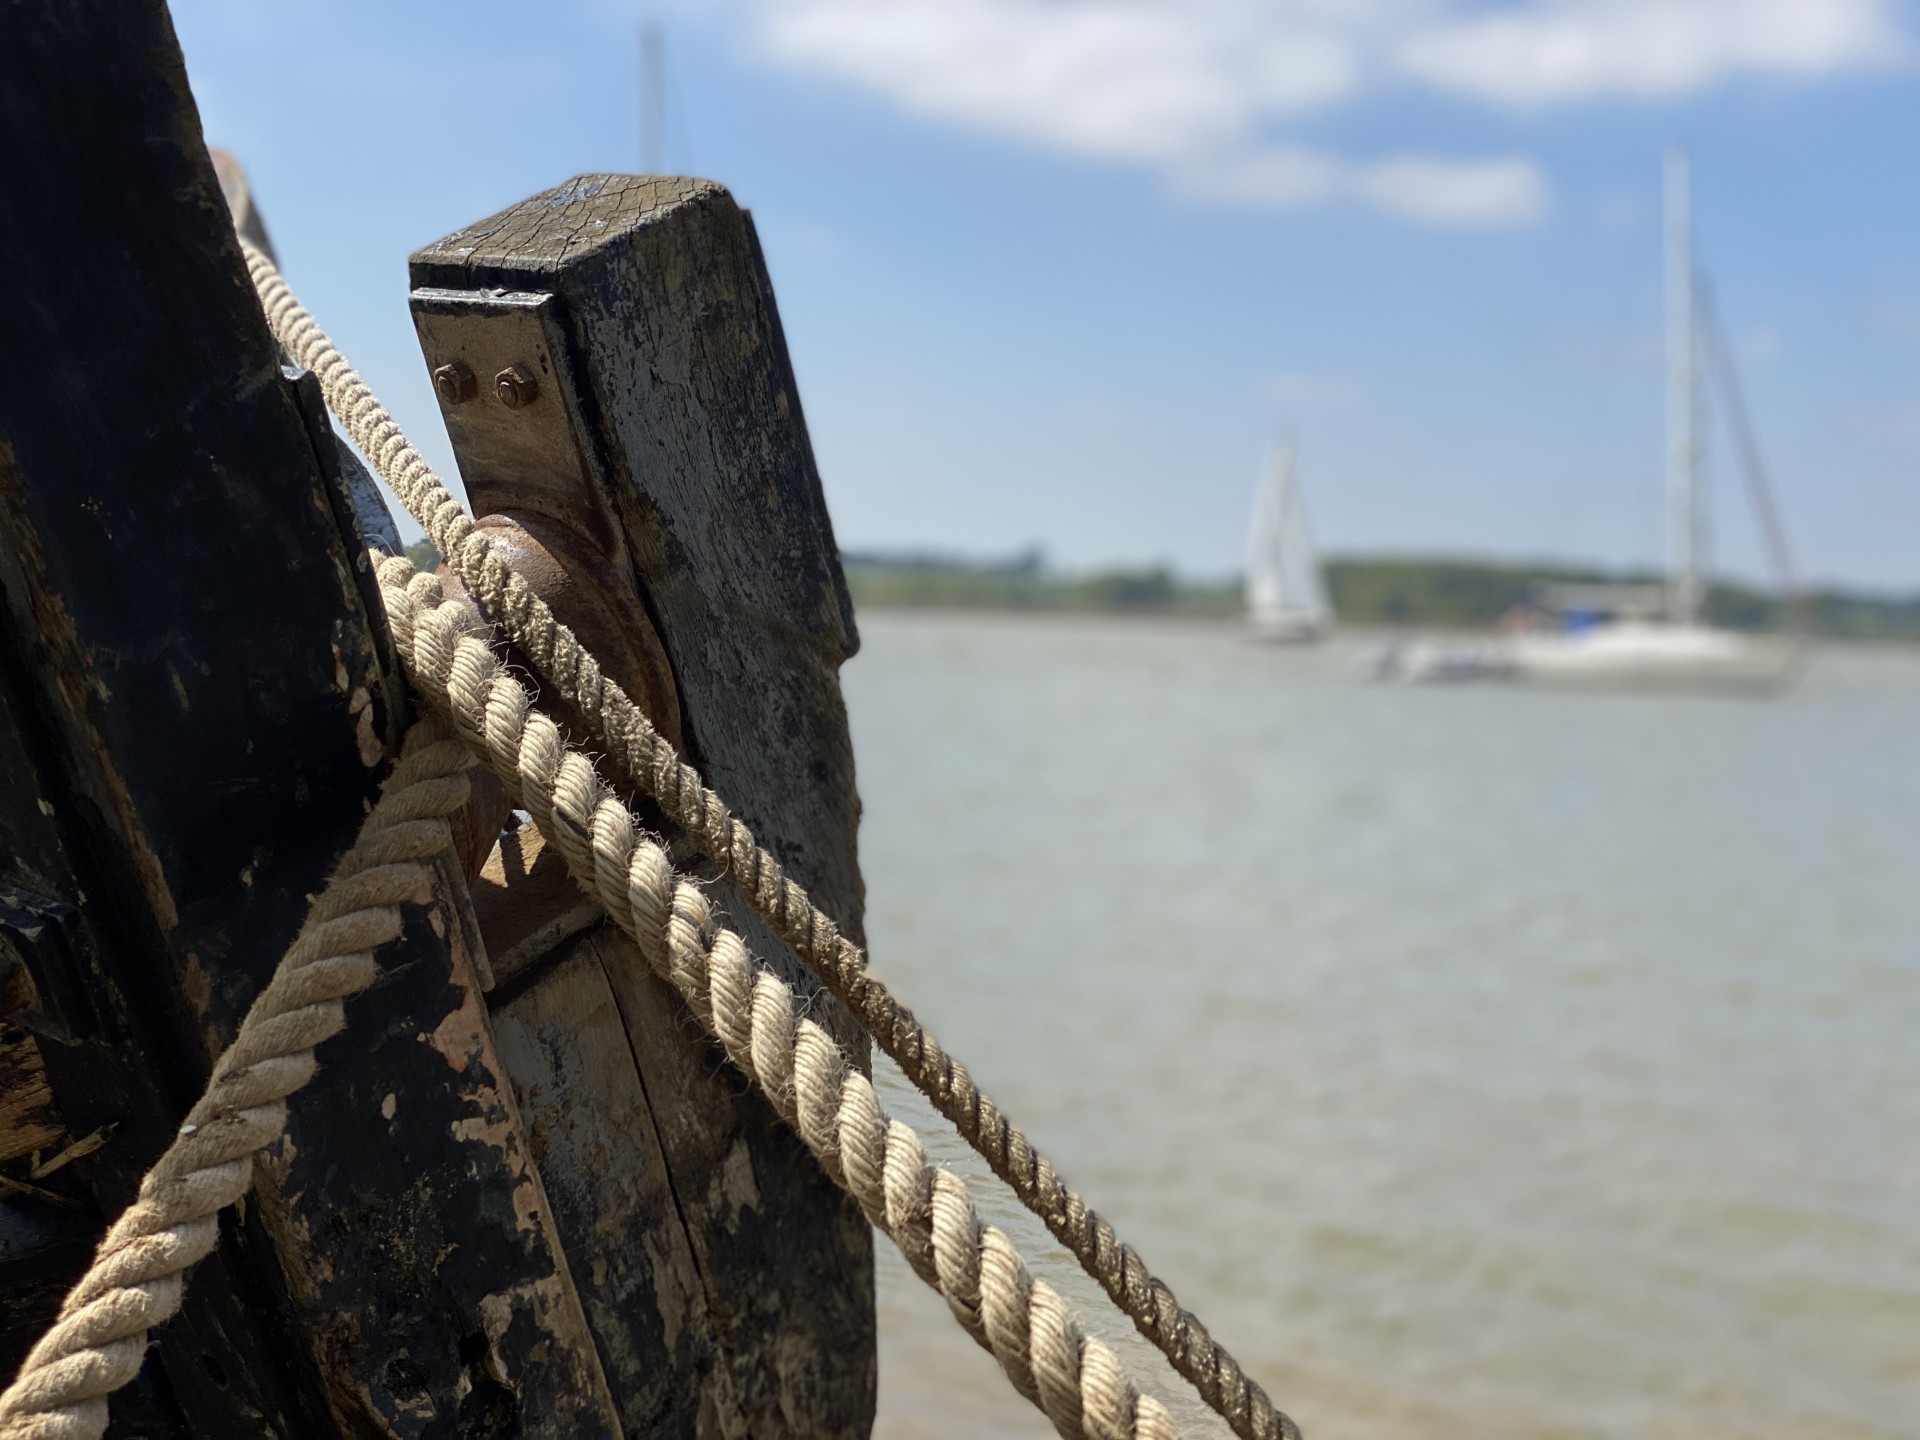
1623 637
1610 645
1286 598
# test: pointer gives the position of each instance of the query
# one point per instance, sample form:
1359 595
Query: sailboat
1649 636
1286 597
1667 645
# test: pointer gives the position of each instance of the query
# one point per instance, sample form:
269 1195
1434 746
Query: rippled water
1476 1061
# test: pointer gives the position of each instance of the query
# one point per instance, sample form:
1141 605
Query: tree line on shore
1392 591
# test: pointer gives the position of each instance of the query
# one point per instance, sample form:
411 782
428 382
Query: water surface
1475 1061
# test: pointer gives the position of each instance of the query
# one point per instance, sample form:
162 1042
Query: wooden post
195 706
613 373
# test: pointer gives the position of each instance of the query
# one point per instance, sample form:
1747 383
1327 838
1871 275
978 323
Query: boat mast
1683 441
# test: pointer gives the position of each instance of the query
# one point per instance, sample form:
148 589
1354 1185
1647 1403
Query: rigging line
1752 463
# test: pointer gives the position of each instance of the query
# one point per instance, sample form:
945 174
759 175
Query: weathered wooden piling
620 386
545 1210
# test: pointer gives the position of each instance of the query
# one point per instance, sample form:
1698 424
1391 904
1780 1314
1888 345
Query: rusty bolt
453 382
515 387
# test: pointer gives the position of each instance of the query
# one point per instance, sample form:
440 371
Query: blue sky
1053 271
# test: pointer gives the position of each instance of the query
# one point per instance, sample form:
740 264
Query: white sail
1286 597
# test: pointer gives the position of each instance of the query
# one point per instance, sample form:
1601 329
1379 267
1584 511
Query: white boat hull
1623 656
1640 656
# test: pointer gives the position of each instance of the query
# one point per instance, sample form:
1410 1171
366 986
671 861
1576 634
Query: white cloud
1117 78
1201 91
1582 50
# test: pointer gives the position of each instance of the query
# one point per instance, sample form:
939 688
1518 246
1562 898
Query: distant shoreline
1382 592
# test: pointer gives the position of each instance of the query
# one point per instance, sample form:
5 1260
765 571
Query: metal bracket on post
511 406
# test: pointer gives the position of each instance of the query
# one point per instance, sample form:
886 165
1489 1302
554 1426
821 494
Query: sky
1055 272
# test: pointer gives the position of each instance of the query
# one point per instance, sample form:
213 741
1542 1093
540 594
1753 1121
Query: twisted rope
1076 1380
836 961
139 1272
